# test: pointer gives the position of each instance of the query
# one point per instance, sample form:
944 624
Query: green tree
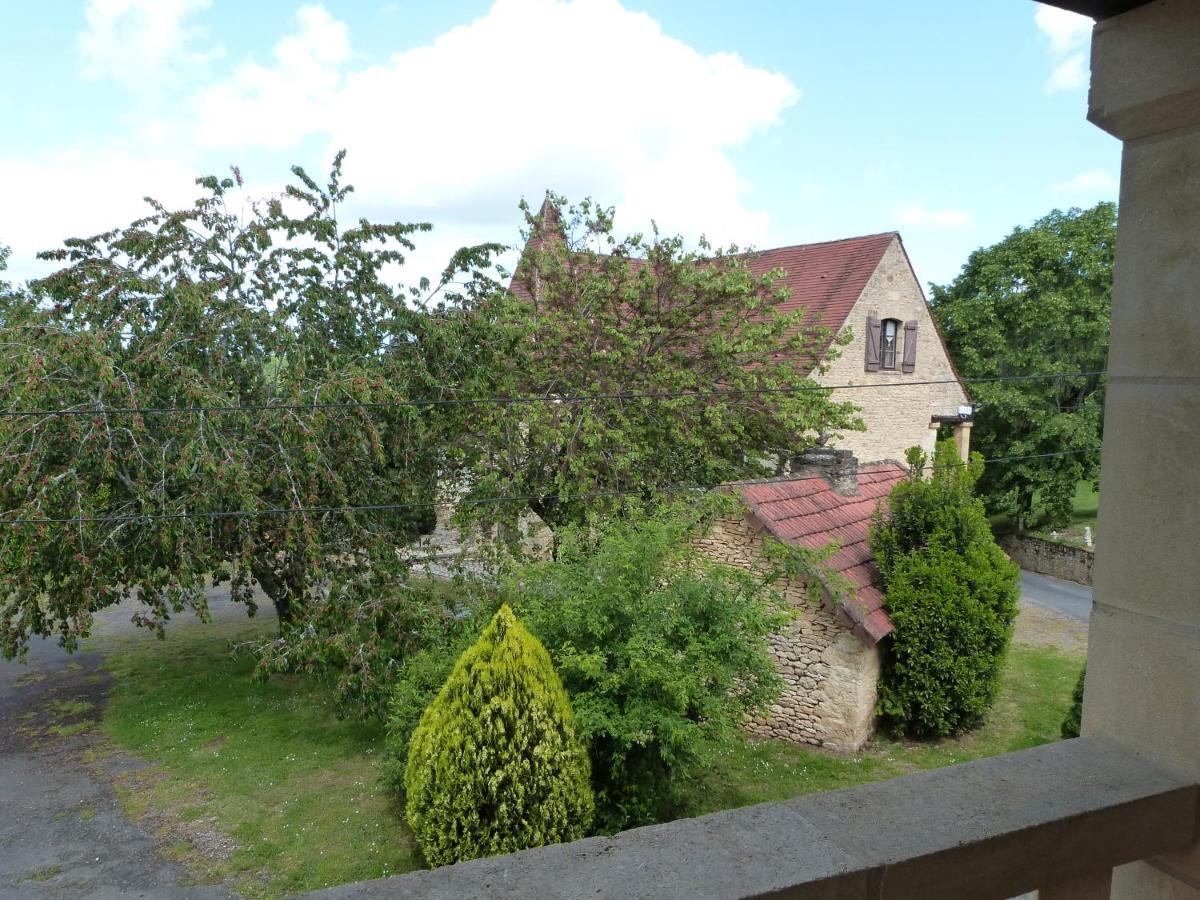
8 294
495 765
272 307
591 314
951 594
660 649
1036 302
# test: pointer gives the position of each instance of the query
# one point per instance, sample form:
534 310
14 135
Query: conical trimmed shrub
494 765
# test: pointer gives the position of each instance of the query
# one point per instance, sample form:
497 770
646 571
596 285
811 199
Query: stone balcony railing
1056 818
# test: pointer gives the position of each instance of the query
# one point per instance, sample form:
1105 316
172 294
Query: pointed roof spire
548 218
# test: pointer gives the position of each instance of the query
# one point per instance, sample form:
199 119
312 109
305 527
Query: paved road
62 833
1067 597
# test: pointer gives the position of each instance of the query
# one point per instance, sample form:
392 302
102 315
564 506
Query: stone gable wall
830 676
896 418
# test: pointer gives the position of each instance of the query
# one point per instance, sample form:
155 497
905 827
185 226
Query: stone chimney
838 467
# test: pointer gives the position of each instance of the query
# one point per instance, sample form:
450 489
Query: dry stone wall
1050 558
829 675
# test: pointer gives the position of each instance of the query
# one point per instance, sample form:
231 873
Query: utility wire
384 507
548 398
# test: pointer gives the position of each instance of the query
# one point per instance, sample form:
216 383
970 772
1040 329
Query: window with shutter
872 344
910 346
889 338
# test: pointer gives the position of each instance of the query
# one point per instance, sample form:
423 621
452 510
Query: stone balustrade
1057 817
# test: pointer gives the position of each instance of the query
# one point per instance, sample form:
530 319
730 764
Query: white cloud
1093 181
276 106
1069 35
455 131
79 194
466 125
919 217
1069 75
132 41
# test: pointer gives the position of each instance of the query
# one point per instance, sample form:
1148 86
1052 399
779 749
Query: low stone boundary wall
1049 558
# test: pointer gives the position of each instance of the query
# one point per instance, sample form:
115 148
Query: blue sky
764 123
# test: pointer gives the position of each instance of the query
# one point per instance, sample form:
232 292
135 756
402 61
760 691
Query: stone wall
896 418
1050 558
447 548
829 675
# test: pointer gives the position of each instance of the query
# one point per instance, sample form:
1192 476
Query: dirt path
1040 626
63 834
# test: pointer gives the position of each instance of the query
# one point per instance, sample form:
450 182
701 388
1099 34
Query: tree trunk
284 586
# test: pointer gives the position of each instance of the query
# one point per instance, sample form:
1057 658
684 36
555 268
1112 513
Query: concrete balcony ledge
992 828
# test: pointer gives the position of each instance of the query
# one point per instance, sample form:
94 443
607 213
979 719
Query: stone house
828 655
895 369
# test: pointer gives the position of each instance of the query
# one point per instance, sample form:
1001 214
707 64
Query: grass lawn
1084 512
261 785
1034 697
258 783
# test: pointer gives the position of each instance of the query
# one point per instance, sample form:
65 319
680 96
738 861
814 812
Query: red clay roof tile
809 513
825 279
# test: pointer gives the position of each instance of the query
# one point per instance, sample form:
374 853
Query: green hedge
1071 724
951 594
660 648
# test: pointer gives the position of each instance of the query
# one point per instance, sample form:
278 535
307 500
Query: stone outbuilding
829 654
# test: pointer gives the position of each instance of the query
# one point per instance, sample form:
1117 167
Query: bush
418 680
659 647
952 596
943 667
494 765
1071 724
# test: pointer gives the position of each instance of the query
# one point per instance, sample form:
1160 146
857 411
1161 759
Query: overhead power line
389 507
546 398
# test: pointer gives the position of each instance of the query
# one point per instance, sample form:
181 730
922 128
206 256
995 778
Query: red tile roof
809 513
825 279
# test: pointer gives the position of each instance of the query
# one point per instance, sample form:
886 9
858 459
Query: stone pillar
1143 681
930 446
962 439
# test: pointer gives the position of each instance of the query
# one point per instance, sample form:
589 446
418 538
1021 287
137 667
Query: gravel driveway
62 833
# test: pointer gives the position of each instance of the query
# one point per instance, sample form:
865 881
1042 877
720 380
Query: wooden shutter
910 346
872 344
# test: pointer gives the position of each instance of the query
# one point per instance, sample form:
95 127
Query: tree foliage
951 594
1036 302
1073 721
273 308
659 647
371 628
592 315
495 765
10 297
